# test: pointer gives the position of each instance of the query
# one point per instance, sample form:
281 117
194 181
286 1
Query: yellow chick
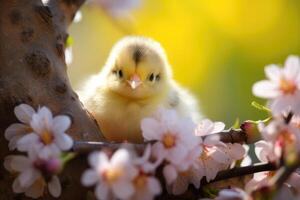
135 81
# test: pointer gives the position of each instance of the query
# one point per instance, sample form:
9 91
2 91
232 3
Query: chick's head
137 68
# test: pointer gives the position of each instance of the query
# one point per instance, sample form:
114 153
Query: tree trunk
33 71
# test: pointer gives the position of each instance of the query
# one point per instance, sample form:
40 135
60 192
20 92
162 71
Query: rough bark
33 71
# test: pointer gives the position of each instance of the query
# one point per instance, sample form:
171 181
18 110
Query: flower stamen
140 181
46 137
169 140
287 87
111 175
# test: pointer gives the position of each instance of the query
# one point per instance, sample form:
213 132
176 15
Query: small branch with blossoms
229 136
177 155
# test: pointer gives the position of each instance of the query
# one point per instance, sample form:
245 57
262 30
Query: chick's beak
134 81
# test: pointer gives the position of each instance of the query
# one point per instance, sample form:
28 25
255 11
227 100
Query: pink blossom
16 131
208 158
282 88
31 171
233 194
174 135
48 134
283 136
112 177
265 153
216 155
146 185
178 177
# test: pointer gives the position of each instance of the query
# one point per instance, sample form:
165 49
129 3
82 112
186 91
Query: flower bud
251 129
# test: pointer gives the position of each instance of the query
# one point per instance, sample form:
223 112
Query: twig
230 136
283 174
86 147
242 171
288 118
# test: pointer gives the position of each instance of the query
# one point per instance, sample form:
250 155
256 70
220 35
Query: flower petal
218 127
291 67
262 150
120 157
220 156
26 142
49 150
101 191
177 154
279 106
17 188
195 177
180 185
97 159
170 174
123 189
154 186
89 177
63 141
273 72
15 129
28 177
24 113
158 151
19 163
265 89
42 120
150 129
236 151
12 145
54 187
36 190
211 169
61 123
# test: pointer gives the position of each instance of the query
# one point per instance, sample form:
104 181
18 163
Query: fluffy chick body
133 84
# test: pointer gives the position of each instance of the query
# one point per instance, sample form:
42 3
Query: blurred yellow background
218 49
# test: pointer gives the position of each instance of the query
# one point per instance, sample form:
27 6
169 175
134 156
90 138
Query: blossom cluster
186 151
179 152
42 137
280 132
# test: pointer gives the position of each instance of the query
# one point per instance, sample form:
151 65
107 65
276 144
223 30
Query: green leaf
260 107
66 157
236 124
70 41
210 192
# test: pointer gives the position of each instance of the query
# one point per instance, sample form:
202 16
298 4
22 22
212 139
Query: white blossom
31 171
282 88
146 185
112 177
174 135
16 131
48 135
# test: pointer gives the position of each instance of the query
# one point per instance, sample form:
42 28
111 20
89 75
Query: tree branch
230 136
242 171
66 9
284 173
33 71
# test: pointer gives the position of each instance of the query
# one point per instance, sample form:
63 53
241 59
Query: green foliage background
218 49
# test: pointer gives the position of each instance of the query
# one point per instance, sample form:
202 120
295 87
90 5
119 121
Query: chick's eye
151 77
157 77
119 73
